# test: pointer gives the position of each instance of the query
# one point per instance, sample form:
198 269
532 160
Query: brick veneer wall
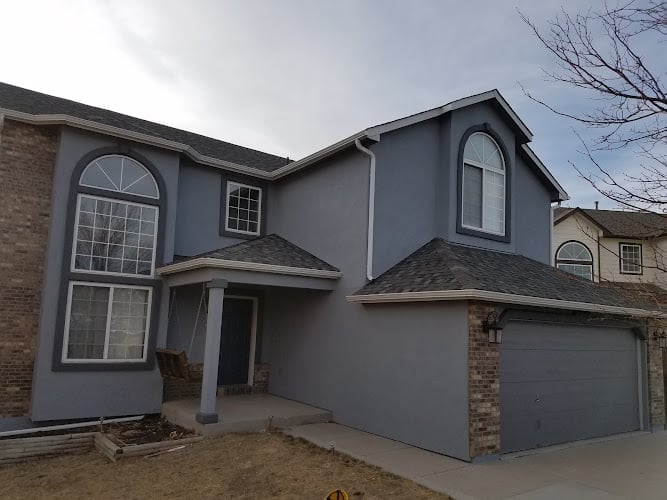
483 384
27 159
656 381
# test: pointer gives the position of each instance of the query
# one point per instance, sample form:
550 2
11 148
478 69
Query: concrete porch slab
244 413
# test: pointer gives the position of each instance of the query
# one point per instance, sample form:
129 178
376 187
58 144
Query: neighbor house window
631 258
111 279
573 257
483 196
106 322
244 206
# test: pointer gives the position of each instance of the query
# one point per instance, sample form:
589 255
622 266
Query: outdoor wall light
661 337
490 325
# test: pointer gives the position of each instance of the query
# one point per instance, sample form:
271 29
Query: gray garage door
560 383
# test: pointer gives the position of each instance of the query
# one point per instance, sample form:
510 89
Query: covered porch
244 413
216 321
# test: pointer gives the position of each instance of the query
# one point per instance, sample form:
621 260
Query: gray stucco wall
198 217
399 370
90 394
417 194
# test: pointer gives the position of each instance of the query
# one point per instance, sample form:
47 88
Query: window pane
116 237
581 270
243 208
472 196
128 323
87 322
631 259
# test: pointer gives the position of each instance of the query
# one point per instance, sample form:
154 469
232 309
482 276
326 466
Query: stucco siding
94 393
399 370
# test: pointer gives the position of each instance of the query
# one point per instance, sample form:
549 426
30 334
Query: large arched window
574 258
111 279
483 190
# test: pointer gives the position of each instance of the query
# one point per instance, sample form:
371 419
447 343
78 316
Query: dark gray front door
235 341
561 383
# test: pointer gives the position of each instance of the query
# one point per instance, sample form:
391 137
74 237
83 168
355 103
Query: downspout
599 261
371 209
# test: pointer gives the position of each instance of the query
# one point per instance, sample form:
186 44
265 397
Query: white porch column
209 385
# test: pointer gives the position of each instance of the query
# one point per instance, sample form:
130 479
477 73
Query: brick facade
27 159
656 376
483 384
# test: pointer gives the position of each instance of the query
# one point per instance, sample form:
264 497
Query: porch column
209 385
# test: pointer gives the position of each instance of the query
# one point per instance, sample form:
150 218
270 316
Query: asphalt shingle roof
441 266
36 103
270 249
619 224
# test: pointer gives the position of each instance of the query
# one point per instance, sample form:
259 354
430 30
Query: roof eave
507 298
203 262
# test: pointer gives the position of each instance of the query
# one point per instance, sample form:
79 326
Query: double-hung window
630 258
483 190
243 209
110 292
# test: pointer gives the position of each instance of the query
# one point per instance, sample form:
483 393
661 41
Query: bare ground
244 466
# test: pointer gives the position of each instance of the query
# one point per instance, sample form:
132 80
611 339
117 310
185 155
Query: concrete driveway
629 466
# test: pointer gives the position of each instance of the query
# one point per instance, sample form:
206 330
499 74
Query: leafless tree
602 53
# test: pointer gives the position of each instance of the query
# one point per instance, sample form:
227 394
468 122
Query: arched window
573 257
107 319
483 196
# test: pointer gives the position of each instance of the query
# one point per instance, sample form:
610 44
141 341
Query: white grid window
244 206
120 174
483 196
631 258
114 236
106 322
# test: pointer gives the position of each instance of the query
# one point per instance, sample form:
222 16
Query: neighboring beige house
609 245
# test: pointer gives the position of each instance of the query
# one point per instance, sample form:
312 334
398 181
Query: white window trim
641 258
484 169
123 158
231 185
112 286
109 273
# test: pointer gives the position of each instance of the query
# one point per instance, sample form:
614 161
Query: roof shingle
441 266
271 250
620 224
36 103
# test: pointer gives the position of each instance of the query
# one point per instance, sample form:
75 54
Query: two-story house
400 278
611 245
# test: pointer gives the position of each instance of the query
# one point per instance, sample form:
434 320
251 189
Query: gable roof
440 271
42 109
270 253
619 224
33 103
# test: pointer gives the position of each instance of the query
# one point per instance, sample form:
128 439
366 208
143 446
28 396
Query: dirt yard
243 466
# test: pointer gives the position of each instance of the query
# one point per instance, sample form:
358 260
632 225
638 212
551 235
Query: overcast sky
291 76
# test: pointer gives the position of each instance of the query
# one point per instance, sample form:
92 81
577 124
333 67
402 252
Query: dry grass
267 465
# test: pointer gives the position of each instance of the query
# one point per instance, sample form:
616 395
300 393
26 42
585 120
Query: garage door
560 383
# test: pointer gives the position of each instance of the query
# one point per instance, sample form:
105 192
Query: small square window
630 258
243 209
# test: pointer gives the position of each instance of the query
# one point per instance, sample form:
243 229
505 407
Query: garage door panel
540 365
561 383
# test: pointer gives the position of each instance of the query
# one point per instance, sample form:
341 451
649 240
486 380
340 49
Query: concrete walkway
630 466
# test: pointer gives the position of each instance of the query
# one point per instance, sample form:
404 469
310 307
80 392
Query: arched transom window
574 258
120 174
483 197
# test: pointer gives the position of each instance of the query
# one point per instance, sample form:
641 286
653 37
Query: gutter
508 298
371 209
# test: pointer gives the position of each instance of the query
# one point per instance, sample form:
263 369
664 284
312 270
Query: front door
235 341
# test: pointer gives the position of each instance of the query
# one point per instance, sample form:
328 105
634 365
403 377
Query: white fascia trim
561 191
80 123
452 106
508 298
245 266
